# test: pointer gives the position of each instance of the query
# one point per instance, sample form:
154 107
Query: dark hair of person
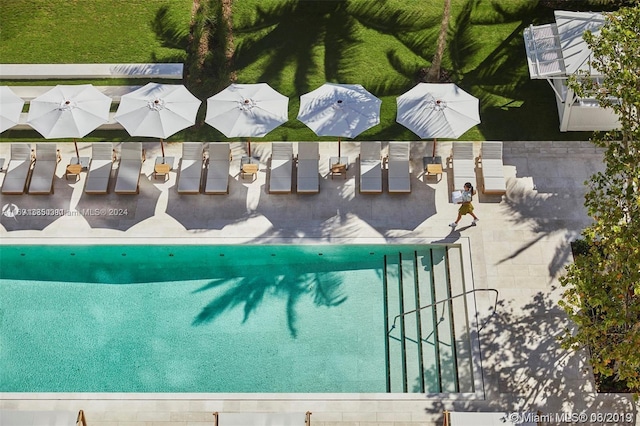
470 186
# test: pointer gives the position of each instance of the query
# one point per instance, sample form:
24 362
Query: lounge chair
463 163
15 180
308 163
190 172
281 167
492 169
370 167
280 419
44 169
131 158
454 418
218 168
398 174
32 418
102 157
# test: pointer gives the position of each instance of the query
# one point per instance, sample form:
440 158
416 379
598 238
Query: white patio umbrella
69 111
437 111
340 110
10 108
157 110
247 110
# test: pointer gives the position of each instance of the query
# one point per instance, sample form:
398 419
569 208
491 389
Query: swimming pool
295 319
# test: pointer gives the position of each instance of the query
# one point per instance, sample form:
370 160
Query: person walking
466 207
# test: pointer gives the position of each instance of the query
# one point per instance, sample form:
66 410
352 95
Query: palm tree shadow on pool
325 289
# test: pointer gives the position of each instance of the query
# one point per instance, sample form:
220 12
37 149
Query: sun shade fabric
157 110
247 110
69 111
438 110
10 108
339 110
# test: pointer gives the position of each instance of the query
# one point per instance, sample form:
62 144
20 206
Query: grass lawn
295 46
64 31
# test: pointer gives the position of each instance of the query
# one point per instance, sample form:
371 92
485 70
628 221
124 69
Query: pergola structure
554 53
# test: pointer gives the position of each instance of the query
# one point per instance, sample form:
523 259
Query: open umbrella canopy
247 110
340 110
438 110
10 108
69 111
157 110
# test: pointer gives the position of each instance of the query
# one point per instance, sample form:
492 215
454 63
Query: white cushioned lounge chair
99 174
281 167
44 169
131 158
262 419
39 418
217 181
191 164
398 172
15 180
463 163
370 167
308 163
493 181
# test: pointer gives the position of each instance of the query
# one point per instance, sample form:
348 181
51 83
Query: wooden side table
338 166
432 165
73 169
162 170
162 167
249 166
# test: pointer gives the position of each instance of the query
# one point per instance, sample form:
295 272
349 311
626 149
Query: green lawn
59 31
297 45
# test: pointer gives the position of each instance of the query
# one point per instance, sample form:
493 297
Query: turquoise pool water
192 319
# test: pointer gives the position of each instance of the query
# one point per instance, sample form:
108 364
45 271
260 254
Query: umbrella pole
77 152
249 147
162 149
433 154
339 147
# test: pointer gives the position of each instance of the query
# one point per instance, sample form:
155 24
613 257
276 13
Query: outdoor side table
432 165
162 167
83 161
338 166
249 166
73 169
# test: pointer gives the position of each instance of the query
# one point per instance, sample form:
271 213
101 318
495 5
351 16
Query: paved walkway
519 248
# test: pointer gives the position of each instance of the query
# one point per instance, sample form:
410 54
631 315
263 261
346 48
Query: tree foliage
602 287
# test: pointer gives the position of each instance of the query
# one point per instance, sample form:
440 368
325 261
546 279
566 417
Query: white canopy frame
555 52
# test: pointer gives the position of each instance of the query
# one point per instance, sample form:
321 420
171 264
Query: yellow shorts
465 209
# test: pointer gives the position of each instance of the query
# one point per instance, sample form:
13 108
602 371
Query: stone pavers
519 248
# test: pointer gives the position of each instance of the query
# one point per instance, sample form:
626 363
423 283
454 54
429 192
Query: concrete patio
519 248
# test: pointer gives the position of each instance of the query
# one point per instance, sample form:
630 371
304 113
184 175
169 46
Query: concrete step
444 318
460 321
428 321
413 350
396 360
